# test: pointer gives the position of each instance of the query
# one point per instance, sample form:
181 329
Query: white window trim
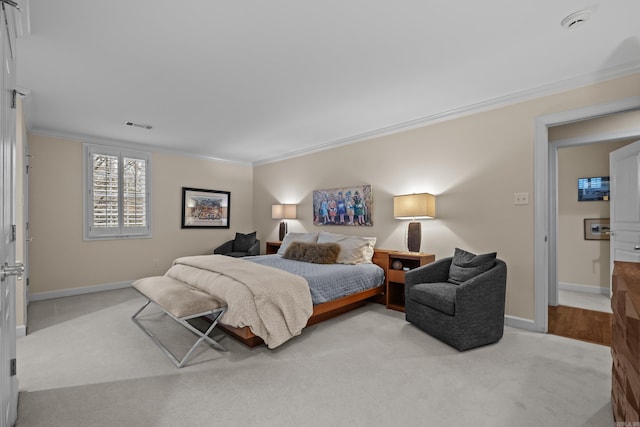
87 201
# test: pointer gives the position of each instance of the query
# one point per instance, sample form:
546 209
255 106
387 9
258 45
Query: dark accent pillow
317 253
243 242
465 265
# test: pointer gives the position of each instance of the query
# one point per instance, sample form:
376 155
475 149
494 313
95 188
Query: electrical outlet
520 198
156 263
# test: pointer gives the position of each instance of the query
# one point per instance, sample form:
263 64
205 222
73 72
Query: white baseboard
21 331
79 291
512 321
589 289
520 323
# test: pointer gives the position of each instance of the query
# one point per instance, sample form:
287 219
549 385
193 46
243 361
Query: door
8 380
625 203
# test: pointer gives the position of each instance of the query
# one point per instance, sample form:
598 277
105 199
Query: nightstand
272 247
399 263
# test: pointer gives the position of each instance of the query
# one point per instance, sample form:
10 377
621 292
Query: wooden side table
272 247
399 263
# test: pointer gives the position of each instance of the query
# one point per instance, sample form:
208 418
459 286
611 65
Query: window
117 197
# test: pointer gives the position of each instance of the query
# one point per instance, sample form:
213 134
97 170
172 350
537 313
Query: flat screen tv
593 188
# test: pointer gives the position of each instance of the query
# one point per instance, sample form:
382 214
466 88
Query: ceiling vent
137 125
576 19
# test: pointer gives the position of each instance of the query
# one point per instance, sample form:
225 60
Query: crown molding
129 145
490 104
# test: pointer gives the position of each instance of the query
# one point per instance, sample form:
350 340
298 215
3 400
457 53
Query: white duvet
273 303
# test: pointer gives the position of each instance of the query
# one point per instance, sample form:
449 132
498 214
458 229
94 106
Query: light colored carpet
85 363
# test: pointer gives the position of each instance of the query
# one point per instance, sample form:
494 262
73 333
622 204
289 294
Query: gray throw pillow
243 242
465 265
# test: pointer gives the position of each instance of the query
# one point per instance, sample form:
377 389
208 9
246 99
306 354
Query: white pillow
297 237
353 249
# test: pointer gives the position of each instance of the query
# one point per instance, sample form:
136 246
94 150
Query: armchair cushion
243 242
466 265
440 296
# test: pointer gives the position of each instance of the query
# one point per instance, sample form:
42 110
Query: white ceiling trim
126 144
514 98
598 138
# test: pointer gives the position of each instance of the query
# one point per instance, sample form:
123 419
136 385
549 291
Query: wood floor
580 324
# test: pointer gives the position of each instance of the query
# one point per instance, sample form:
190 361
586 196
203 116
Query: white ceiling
254 81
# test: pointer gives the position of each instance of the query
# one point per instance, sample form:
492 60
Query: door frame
545 196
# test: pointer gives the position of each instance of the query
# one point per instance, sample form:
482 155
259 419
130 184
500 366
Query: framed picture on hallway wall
597 229
205 208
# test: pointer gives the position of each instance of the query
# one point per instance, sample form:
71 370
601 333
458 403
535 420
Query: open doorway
583 309
583 246
579 288
546 209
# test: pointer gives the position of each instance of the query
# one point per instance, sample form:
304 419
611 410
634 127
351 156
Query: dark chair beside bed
242 245
460 300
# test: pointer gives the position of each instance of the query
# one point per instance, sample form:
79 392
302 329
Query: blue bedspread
327 281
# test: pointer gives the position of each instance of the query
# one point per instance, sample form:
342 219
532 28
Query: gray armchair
242 245
464 315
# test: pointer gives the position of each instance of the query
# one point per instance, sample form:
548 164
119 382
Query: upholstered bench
182 303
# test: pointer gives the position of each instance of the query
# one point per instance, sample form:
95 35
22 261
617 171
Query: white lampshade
283 211
414 206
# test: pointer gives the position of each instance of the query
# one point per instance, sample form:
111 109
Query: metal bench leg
204 336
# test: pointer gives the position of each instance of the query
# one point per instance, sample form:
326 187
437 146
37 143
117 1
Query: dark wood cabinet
625 343
272 247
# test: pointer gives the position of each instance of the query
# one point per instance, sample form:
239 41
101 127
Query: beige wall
580 261
474 165
61 260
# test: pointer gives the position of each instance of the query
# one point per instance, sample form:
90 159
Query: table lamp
283 212
414 206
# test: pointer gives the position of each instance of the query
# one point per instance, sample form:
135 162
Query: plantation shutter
105 191
118 197
134 193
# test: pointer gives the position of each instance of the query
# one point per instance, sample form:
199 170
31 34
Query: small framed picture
597 229
205 208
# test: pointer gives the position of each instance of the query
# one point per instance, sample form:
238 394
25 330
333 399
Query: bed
356 276
324 307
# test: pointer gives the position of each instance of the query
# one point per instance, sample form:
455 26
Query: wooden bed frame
324 311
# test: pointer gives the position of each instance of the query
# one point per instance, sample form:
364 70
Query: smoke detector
576 19
137 125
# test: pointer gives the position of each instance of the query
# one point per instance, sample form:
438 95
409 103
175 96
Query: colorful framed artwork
205 208
346 206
